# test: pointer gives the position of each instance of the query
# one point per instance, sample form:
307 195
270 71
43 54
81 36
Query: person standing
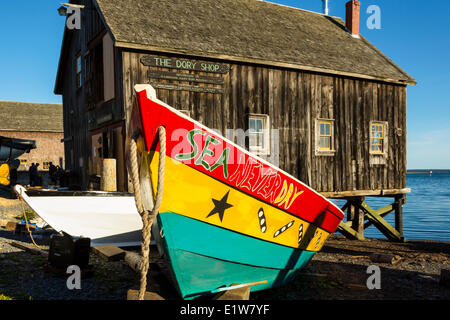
32 173
52 172
13 165
37 178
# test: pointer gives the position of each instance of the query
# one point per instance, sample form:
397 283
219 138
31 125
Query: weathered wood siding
294 100
75 116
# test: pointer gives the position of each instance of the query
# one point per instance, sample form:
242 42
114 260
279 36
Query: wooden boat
11 148
104 217
226 216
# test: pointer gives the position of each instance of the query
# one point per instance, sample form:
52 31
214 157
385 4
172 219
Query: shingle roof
26 116
247 30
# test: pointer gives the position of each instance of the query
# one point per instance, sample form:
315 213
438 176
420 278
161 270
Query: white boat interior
104 217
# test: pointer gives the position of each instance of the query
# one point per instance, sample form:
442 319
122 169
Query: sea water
426 214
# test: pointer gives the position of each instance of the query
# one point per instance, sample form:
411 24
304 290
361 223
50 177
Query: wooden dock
360 215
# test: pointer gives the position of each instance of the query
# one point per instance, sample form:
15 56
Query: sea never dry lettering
265 182
222 160
252 175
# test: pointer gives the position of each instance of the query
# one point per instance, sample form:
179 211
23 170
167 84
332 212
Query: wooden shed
313 95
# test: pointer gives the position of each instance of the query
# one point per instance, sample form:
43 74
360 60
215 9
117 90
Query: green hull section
203 257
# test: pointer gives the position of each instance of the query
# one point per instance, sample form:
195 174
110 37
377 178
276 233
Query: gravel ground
338 272
25 276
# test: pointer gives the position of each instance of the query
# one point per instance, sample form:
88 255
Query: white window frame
324 152
265 150
385 138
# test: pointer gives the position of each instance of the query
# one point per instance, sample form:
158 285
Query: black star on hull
220 206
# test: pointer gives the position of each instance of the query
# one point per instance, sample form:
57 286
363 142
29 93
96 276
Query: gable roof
26 116
248 31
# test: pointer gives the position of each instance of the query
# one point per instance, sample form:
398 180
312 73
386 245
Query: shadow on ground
344 281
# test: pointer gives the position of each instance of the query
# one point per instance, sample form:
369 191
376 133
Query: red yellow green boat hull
227 216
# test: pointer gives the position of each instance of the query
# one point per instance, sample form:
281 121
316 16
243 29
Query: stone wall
48 148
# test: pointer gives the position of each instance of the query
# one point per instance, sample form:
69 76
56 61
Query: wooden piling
384 258
134 260
399 213
108 181
358 211
358 217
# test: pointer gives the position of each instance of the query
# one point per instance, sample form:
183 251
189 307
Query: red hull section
206 151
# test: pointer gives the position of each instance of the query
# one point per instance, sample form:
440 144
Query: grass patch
30 215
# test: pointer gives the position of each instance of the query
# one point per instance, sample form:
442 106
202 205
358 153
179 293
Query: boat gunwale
76 193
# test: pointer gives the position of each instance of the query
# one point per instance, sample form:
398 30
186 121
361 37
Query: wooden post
358 217
346 228
109 176
399 213
350 210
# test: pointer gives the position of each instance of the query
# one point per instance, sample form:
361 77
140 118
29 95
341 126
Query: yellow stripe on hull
190 193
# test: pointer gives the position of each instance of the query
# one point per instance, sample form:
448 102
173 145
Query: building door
108 142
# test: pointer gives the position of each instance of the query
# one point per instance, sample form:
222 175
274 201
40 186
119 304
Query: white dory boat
104 217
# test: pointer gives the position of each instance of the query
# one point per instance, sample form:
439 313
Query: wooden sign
166 75
182 87
184 64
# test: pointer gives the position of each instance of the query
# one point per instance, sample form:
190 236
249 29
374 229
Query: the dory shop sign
184 64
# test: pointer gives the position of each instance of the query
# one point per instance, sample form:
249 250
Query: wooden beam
363 193
26 248
383 212
381 224
346 229
109 252
345 207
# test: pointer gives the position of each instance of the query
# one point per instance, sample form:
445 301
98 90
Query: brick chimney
352 17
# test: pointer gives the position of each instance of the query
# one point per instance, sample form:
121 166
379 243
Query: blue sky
414 34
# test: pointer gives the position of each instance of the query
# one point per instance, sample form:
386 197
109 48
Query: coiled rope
147 217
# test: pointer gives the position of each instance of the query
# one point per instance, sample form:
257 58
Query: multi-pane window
45 165
325 135
79 78
377 132
258 134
